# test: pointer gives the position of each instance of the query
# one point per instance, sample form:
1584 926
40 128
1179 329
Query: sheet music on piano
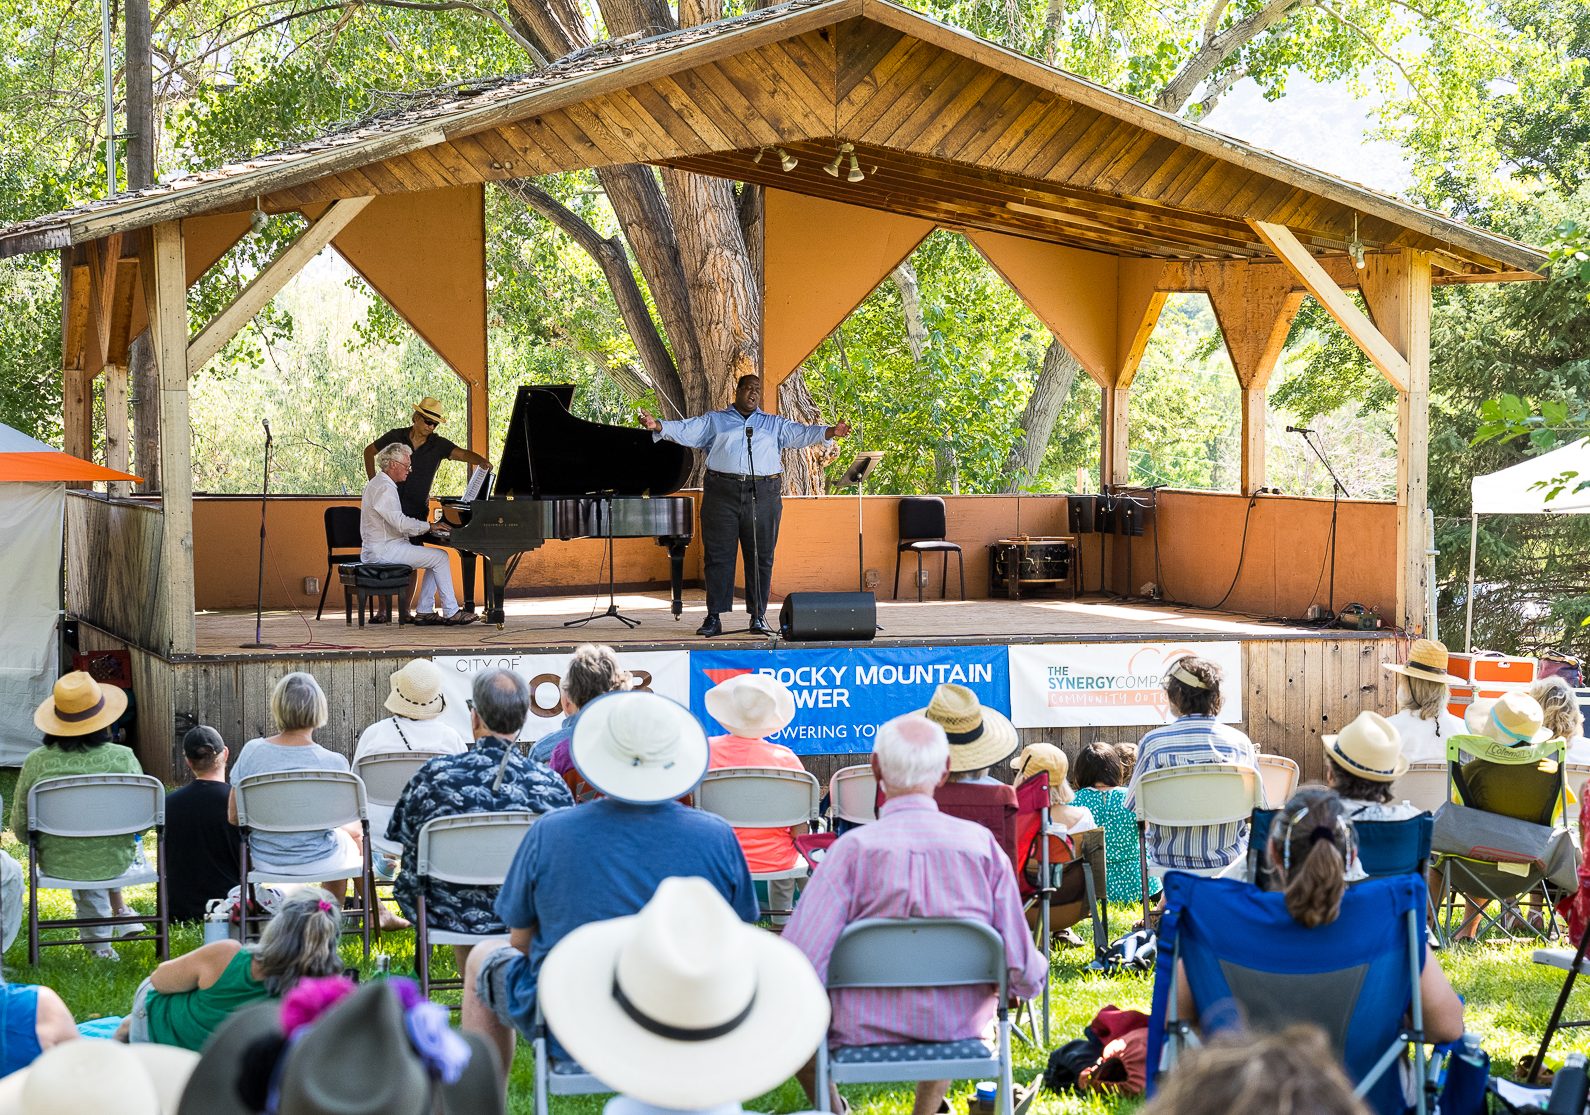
479 481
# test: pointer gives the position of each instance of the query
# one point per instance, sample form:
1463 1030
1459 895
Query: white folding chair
557 1078
94 805
912 953
1424 786
384 775
1577 774
299 801
1201 796
764 798
853 794
467 850
1279 775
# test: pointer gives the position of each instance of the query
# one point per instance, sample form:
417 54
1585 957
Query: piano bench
375 583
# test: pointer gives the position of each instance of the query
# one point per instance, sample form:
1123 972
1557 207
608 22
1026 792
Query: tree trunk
143 377
803 468
1049 393
946 476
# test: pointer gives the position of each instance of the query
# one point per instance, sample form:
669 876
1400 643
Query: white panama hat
751 705
99 1076
639 747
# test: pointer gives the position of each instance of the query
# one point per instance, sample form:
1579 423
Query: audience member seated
76 720
493 775
1366 759
385 534
1512 720
603 859
32 1019
1293 1070
753 707
1310 850
1067 902
185 999
1101 776
979 737
706 1012
1422 721
1045 758
592 671
299 707
201 843
1559 706
1194 738
913 862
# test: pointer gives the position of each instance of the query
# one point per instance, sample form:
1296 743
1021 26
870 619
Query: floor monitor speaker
809 616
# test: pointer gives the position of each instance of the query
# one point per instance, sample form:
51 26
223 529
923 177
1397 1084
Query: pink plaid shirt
914 862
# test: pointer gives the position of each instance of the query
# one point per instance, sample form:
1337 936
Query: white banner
1071 685
665 671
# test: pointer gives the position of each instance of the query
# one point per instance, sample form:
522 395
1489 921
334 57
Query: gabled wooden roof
947 127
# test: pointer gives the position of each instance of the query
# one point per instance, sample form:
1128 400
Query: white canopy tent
1527 489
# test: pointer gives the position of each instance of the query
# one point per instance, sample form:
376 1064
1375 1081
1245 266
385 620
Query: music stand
856 477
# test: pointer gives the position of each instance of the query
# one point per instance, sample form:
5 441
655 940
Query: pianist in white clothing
385 531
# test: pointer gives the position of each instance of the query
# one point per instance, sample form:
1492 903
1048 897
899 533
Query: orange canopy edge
47 466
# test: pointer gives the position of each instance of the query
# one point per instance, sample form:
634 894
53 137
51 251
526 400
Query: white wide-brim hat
417 691
1512 719
639 747
683 1005
979 736
95 1075
1368 747
751 705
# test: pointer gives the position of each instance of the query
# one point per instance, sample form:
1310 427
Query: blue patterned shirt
1190 741
457 784
722 434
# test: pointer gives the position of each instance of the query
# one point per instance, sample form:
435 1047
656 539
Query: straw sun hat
430 408
79 705
1368 748
683 1005
1427 660
101 1076
751 705
979 736
639 747
1512 719
417 691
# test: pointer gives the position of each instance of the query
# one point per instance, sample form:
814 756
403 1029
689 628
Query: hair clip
325 907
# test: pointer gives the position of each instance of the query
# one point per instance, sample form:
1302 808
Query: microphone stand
604 509
753 576
1338 489
259 586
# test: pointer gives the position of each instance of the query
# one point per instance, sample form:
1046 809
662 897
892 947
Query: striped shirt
1191 741
914 862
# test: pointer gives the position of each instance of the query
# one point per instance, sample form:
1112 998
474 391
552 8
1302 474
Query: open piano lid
549 453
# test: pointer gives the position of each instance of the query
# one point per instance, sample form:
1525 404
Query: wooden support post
169 326
117 433
477 399
1255 410
1115 466
77 406
1396 288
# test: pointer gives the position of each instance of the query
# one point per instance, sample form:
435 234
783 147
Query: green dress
75 857
1123 882
188 1018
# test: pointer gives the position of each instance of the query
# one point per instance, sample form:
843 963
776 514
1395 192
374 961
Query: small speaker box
840 616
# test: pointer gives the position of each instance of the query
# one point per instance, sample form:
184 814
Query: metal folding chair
384 775
96 805
1425 786
1201 796
557 1077
853 795
764 798
297 801
910 953
468 850
1279 775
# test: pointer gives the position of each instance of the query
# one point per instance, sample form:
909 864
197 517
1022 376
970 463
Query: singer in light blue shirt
742 497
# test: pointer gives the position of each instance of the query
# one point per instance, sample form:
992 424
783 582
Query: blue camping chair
1250 965
1384 847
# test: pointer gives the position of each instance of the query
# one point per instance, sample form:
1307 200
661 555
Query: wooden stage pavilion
1092 205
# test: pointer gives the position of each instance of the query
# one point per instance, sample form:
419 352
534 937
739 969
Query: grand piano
562 477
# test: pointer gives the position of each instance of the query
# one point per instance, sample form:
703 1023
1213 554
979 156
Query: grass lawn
1509 1000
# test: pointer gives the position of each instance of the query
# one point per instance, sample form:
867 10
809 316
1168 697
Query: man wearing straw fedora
1366 760
979 737
603 859
705 1012
427 449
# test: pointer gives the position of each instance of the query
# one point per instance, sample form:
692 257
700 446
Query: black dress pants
729 515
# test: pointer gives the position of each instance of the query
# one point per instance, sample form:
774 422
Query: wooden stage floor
536 624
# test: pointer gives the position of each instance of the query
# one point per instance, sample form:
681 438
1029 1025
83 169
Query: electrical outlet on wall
922 577
311 586
871 579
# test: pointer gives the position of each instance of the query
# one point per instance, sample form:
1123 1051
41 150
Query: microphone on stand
266 422
1298 430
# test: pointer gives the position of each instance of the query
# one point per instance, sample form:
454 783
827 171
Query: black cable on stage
1242 554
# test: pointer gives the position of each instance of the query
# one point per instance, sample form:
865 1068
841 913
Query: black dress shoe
759 627
710 628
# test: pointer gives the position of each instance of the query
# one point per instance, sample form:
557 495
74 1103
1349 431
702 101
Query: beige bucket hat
979 736
751 705
683 1005
417 691
79 705
1368 748
1511 719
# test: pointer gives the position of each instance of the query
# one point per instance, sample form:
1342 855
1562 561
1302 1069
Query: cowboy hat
639 747
430 408
751 706
1368 748
1511 719
683 1005
99 1075
79 705
416 691
1427 660
979 736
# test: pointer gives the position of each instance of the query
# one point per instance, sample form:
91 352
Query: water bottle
1569 1088
139 863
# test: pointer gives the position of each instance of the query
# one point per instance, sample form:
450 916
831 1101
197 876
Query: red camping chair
993 807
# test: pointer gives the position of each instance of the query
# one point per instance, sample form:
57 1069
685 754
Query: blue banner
843 694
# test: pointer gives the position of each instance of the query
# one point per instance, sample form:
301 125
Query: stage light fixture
1355 246
855 174
760 151
786 160
832 169
258 219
